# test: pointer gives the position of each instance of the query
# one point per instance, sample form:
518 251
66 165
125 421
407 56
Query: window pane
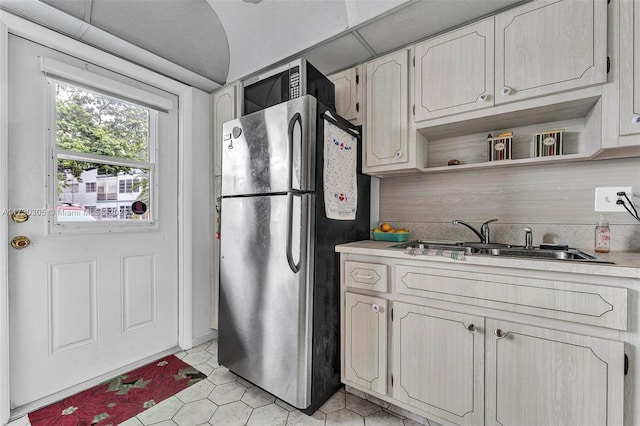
99 198
97 124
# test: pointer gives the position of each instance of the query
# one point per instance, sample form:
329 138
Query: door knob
20 242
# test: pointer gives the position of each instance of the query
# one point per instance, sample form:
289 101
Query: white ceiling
207 43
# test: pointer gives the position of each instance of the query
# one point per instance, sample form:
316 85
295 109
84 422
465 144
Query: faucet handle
528 238
490 221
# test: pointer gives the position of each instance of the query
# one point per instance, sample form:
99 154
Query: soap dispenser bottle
603 236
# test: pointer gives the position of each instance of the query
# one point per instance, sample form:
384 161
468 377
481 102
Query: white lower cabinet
537 376
365 351
462 365
438 362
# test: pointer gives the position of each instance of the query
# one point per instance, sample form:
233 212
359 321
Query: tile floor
225 399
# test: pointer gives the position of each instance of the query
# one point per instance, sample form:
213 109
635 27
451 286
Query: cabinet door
550 46
438 360
630 67
224 107
454 72
537 376
386 133
365 346
348 94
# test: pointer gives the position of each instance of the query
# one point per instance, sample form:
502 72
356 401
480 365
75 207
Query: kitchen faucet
483 234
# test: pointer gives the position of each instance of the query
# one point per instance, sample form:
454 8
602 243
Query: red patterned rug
121 398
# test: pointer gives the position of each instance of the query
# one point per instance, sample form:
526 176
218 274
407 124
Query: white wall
201 217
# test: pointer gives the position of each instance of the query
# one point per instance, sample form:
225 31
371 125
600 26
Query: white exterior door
92 296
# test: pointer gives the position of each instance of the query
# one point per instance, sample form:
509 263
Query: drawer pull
501 334
484 97
471 328
364 277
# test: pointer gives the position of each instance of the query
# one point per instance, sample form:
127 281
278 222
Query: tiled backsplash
555 200
623 237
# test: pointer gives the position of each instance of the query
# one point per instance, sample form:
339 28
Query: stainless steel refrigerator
279 314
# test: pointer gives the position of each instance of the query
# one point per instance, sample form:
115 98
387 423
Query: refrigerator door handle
294 267
297 118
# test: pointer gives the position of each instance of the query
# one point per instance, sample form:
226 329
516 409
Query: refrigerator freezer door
265 307
270 151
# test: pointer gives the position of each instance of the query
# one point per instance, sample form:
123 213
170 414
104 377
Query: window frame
56 153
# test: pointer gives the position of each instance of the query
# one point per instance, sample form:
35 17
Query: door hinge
392 380
391 314
608 1
357 106
608 64
414 61
626 364
357 78
414 110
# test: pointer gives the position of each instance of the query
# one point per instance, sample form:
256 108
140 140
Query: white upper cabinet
550 46
225 106
386 123
454 72
348 93
630 67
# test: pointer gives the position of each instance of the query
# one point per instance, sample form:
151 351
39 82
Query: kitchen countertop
626 264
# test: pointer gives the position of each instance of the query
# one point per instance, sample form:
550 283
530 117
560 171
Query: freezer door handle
294 267
297 118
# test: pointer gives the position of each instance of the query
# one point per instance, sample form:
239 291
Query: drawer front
565 300
370 276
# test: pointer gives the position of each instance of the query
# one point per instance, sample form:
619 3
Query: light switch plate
606 199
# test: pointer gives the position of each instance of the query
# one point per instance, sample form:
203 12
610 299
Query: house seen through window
104 156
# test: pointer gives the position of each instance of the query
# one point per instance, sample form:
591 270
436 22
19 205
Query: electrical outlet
606 198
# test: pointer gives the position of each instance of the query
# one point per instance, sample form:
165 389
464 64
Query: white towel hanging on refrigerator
340 180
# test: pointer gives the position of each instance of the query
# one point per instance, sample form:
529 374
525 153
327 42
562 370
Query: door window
103 160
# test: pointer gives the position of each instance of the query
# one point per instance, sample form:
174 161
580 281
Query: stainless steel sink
537 253
503 250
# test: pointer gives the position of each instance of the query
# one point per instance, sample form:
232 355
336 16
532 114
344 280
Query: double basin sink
505 250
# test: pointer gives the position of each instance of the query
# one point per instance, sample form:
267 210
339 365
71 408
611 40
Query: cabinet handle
366 277
506 90
375 308
471 328
484 97
500 334
636 119
398 154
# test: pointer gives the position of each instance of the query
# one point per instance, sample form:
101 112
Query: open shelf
508 163
464 137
